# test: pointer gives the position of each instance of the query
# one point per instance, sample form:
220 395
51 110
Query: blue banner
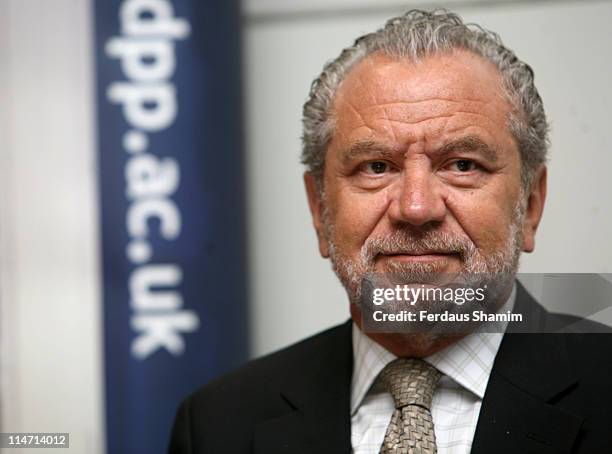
172 207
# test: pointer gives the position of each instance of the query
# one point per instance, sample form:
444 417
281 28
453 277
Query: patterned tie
411 382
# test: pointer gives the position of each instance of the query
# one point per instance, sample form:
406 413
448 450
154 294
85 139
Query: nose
418 200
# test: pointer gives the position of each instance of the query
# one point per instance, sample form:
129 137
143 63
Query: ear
316 210
535 208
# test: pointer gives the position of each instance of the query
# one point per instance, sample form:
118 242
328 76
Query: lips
418 257
420 254
425 256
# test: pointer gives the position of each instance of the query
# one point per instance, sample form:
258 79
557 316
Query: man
425 144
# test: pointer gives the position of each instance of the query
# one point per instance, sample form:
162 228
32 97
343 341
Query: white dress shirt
465 365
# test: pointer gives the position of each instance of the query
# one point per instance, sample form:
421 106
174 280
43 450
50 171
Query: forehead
383 95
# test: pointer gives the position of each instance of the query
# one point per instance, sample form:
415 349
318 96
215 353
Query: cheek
485 216
355 216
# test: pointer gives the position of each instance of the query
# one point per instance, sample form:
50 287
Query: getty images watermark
461 303
440 303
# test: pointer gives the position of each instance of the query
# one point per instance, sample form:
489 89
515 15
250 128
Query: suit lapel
511 421
317 394
530 372
517 415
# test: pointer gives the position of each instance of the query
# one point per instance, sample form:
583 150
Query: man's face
422 173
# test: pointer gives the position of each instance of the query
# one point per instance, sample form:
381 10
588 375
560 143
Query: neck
408 345
418 345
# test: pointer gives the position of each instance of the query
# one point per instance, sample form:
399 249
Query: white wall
49 295
568 45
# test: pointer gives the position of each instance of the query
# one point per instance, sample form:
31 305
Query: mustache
403 242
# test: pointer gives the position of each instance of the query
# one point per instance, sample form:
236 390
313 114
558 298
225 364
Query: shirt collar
468 361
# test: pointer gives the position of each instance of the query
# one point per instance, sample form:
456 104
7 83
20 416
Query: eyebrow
471 144
364 147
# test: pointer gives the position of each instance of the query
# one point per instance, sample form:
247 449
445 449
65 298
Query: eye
376 167
463 165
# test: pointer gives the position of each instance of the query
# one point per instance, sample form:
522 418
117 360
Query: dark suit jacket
548 393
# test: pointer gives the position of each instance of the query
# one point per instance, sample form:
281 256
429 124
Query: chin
416 265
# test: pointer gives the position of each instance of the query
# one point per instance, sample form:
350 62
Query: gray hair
420 34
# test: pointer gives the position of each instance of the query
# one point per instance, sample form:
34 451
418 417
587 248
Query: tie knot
410 381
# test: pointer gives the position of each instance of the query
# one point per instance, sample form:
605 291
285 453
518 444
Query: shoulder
252 394
263 373
571 324
585 344
589 346
540 320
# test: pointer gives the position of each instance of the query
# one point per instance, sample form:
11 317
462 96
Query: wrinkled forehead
421 88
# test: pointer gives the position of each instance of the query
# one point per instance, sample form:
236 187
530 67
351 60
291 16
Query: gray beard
499 267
